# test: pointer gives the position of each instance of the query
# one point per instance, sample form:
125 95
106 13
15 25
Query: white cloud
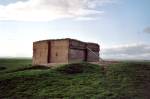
13 48
147 30
131 51
47 10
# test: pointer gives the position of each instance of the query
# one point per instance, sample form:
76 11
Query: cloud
147 30
13 45
132 51
47 10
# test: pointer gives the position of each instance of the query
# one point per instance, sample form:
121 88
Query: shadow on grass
2 68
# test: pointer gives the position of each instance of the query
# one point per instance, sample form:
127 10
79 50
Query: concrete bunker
64 51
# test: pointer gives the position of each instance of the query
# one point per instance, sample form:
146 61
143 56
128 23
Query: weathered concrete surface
40 52
74 44
64 51
76 55
90 56
59 51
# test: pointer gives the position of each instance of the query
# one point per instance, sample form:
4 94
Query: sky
120 27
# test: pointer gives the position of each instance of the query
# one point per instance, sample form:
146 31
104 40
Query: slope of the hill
12 64
80 80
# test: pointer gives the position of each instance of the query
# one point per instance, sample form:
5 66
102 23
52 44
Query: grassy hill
127 80
11 64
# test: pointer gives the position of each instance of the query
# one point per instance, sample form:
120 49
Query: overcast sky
121 27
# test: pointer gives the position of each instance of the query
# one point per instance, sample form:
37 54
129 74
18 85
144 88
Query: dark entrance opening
85 55
49 52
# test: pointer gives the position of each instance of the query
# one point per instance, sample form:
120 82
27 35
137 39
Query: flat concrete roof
65 39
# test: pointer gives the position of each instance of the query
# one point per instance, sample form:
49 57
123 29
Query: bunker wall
76 51
64 51
59 51
76 55
40 52
74 44
91 57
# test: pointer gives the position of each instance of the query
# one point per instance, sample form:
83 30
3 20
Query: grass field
8 65
126 80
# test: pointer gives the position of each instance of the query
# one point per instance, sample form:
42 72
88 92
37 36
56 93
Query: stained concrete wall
40 52
76 51
59 51
74 44
76 55
90 56
64 51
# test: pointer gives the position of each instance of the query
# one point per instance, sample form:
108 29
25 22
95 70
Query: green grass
11 64
127 80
